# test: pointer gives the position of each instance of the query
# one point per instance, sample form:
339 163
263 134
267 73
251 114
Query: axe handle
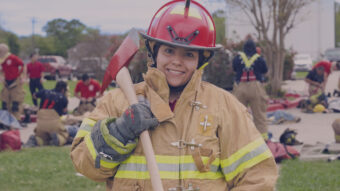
124 81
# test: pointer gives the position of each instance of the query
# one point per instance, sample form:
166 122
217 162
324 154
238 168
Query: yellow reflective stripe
82 133
249 62
168 159
243 151
87 121
85 127
170 175
90 146
94 154
265 136
115 143
248 164
203 66
135 167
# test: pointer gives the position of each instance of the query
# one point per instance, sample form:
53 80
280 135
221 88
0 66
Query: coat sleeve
264 68
245 160
84 155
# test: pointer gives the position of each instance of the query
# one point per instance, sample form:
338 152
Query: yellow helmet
319 108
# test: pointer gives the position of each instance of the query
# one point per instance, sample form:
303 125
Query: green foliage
312 176
13 44
219 71
11 40
66 34
44 168
219 20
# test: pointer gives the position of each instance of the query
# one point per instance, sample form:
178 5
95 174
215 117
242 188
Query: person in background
202 136
34 71
250 68
49 129
316 80
87 90
12 94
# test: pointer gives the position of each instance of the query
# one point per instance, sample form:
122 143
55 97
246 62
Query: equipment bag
10 140
281 151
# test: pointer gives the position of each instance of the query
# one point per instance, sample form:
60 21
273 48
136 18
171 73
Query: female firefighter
203 138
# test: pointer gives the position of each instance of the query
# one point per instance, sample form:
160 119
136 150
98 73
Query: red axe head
121 58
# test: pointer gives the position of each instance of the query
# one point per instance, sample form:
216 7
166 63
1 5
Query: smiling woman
178 65
203 138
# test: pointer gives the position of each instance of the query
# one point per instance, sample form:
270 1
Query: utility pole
33 23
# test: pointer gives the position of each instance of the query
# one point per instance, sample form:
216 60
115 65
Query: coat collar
158 92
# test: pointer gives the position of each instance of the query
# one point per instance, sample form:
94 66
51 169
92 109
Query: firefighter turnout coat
208 142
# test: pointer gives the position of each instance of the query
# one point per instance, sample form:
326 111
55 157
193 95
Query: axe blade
122 57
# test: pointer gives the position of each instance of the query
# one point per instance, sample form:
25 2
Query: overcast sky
110 16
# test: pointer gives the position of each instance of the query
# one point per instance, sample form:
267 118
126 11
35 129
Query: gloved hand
136 119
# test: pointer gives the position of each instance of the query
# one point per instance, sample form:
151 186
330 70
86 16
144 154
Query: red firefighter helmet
180 24
183 23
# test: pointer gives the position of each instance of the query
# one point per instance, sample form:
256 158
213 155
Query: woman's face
178 64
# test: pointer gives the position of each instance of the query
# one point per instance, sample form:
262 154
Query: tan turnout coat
227 152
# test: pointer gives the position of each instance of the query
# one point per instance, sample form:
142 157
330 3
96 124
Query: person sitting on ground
50 129
87 90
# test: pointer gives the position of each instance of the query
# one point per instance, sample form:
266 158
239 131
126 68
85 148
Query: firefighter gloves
136 119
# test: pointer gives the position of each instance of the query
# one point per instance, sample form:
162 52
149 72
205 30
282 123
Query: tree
66 34
272 20
219 19
13 43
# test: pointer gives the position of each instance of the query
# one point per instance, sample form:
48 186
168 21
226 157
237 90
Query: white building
314 31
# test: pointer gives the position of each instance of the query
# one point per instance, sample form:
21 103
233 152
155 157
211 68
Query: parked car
95 67
302 62
332 54
55 67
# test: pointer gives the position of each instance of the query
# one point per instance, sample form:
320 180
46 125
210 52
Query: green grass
301 74
40 169
309 176
50 168
47 85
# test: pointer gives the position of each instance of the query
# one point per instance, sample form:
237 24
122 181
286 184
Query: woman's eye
189 54
169 50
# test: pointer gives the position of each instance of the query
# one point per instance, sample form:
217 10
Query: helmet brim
193 47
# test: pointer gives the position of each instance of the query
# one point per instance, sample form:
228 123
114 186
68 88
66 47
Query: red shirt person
327 66
34 70
87 89
12 95
12 67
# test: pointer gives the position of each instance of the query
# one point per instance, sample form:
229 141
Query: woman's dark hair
61 85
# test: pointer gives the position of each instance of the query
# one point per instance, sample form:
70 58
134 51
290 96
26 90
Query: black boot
31 142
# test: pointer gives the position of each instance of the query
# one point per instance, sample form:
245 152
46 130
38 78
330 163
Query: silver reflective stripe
164 167
259 150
